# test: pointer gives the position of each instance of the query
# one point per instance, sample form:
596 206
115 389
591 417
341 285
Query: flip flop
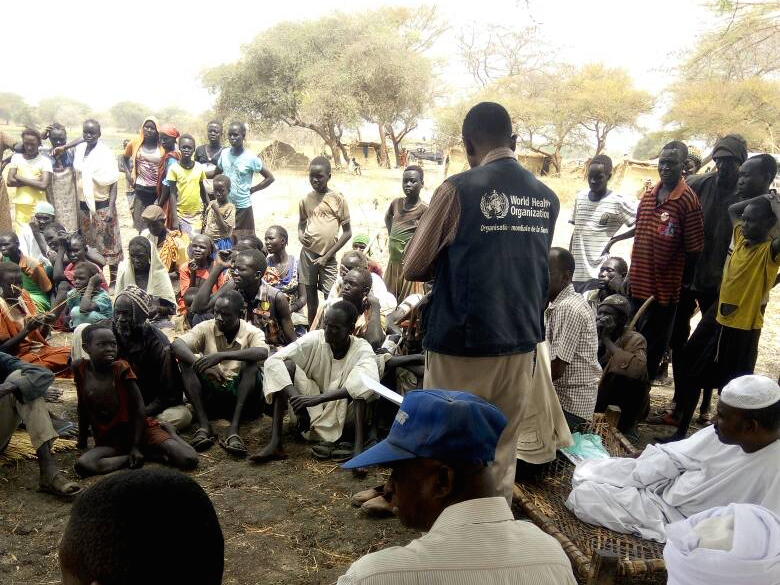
202 441
60 487
344 452
323 450
67 430
237 450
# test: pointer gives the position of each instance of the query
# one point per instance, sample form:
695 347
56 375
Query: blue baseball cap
438 424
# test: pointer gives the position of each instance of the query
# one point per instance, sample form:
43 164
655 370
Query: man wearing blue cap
440 449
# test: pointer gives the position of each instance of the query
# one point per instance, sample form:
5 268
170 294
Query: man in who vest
485 241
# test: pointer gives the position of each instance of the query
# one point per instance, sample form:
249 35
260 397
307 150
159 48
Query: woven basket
628 559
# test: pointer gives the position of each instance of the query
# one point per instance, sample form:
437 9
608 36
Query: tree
649 146
607 100
11 106
129 115
185 122
66 111
711 108
448 122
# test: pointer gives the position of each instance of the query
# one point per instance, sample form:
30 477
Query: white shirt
29 245
595 222
476 542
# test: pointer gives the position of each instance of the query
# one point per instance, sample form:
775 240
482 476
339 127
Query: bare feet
270 452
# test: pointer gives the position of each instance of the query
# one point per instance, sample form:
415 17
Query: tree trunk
396 145
334 146
383 157
343 151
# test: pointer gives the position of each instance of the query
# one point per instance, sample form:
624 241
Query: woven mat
20 448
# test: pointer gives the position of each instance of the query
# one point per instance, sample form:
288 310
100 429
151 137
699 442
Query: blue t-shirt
240 169
168 164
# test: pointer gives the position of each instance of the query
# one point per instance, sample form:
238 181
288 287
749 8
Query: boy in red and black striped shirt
669 237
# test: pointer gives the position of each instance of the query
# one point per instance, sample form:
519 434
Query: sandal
343 452
60 487
234 445
323 450
202 440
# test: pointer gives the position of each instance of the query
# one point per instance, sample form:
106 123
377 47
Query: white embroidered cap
751 392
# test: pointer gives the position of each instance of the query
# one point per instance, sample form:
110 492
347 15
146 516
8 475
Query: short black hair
241 126
768 418
92 328
347 309
602 159
281 231
32 132
418 169
91 121
679 147
187 136
235 299
487 123
222 180
320 161
765 208
57 126
356 254
365 274
256 243
621 261
767 164
80 237
257 258
12 235
217 122
565 258
93 268
111 536
141 241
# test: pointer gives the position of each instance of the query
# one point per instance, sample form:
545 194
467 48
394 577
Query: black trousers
686 307
713 356
656 325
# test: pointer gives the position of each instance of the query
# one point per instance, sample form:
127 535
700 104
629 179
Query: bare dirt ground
286 522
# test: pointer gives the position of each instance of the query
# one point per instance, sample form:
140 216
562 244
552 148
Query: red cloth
186 281
664 234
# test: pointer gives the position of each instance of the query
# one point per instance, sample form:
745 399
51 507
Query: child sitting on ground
110 403
87 301
221 215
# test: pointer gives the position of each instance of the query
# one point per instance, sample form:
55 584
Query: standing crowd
501 344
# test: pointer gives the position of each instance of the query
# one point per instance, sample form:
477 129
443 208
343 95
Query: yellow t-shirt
748 276
324 215
188 186
29 169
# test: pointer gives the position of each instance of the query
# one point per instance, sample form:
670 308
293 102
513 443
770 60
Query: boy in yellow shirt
187 189
725 344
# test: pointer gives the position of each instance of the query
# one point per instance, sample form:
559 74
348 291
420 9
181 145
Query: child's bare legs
312 301
99 461
175 451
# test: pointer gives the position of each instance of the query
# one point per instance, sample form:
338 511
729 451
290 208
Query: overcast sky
153 51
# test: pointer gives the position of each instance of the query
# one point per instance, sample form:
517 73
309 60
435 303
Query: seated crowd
245 347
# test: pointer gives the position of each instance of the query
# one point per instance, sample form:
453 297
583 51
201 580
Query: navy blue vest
490 286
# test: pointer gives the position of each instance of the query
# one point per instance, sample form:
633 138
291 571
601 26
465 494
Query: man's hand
322 261
6 388
215 375
136 458
605 325
299 402
57 151
96 280
371 301
34 323
223 259
207 362
215 206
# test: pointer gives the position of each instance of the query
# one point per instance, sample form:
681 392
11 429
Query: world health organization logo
494 205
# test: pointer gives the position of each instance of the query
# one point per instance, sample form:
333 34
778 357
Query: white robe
671 482
317 372
97 171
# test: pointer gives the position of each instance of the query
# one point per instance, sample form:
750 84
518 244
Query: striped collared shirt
476 542
665 233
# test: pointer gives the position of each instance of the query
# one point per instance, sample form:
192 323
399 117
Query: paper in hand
383 391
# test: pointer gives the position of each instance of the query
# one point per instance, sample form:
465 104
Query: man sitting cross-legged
148 351
221 361
110 403
21 400
318 375
736 460
440 450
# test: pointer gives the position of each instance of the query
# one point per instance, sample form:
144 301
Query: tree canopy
66 111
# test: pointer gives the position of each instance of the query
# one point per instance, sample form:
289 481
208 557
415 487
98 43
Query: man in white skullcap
739 543
736 460
31 240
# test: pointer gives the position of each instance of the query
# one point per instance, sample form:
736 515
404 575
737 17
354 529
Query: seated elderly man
623 359
23 330
736 460
318 375
171 246
221 362
21 400
439 449
148 351
356 259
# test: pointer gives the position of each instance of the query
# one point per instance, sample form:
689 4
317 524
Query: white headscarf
739 543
